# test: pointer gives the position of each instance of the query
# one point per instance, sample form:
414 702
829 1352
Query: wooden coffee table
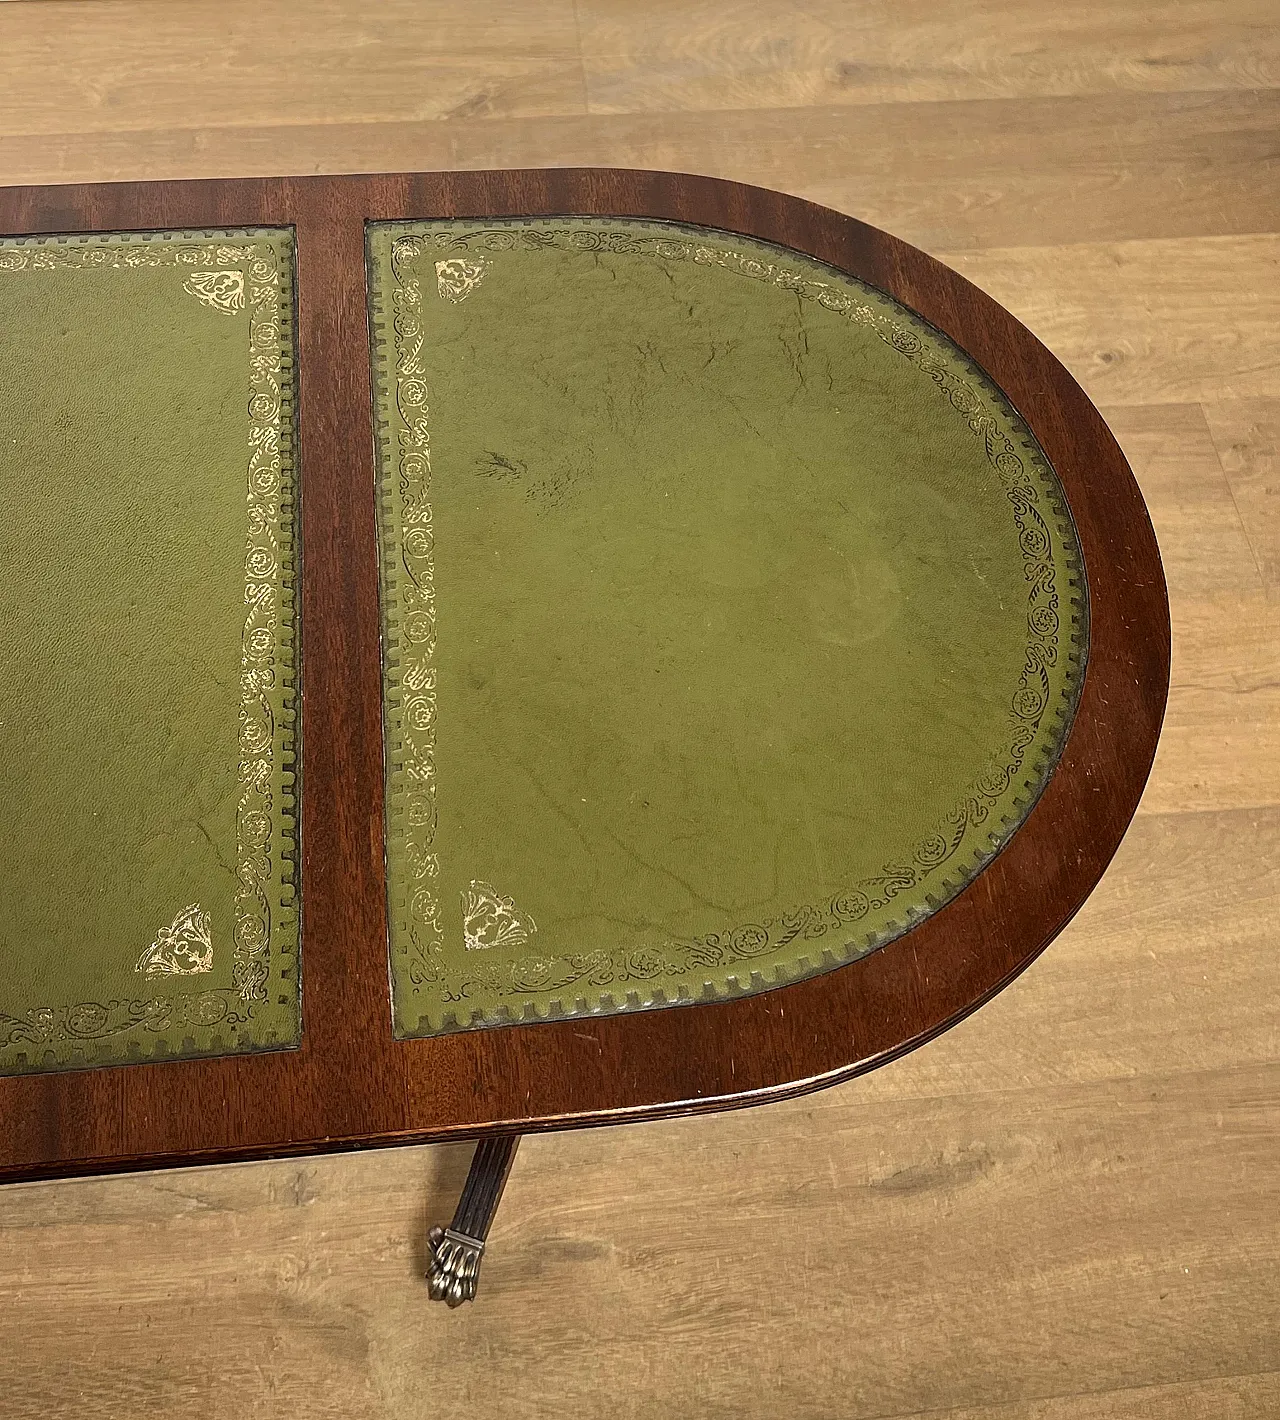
613 1050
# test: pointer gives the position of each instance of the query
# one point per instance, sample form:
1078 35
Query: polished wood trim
351 1085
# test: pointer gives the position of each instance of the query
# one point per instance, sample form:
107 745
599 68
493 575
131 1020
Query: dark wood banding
351 1085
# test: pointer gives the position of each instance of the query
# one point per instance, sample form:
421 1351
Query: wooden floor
1069 1207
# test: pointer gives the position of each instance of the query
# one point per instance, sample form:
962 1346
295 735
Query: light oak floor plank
855 1257
1246 435
134 65
1063 1209
1160 321
1227 1398
1123 166
694 57
1204 545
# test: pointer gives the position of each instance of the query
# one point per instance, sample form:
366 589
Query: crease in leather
147 628
733 619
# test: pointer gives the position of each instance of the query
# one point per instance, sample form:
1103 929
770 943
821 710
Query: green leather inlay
733 619
148 840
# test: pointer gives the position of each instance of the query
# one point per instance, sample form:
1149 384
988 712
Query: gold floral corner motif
221 291
457 277
491 920
184 948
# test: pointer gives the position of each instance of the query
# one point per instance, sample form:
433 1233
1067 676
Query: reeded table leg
457 1251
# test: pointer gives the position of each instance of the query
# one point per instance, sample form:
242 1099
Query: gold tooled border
830 925
409 606
266 816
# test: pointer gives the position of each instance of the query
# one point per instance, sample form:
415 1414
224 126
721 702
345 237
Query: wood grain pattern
1141 322
1246 436
707 56
114 67
1160 121
298 1282
1220 746
1124 166
1192 504
1164 1264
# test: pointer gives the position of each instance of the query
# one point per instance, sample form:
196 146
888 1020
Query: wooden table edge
77 1122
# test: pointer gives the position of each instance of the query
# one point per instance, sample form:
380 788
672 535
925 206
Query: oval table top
771 660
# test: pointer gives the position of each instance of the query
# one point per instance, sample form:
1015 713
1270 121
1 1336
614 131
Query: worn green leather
147 840
732 617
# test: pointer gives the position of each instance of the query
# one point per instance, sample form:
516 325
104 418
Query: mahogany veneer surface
351 1084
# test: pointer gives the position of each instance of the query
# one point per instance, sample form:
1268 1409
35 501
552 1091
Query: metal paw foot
456 1251
455 1266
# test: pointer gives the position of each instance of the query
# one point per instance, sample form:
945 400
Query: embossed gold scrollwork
1026 490
259 642
491 920
415 606
456 278
88 1022
184 948
221 291
236 274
